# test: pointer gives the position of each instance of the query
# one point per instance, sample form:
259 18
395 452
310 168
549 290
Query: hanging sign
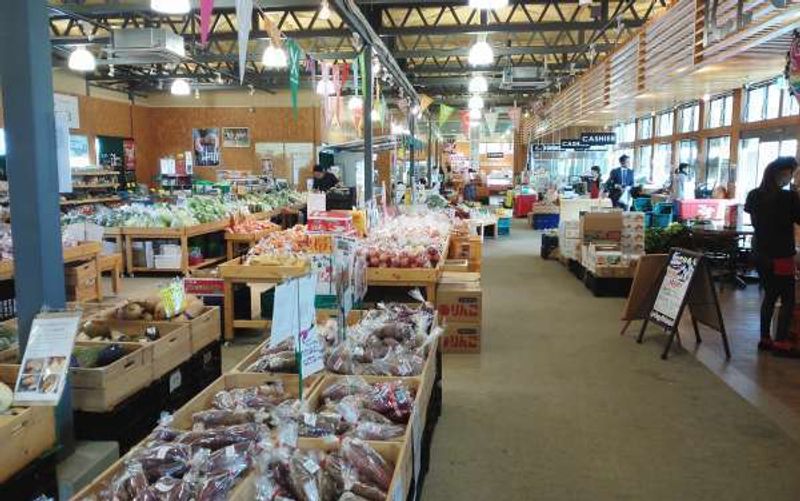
43 372
598 138
546 147
244 16
294 72
573 144
792 73
63 103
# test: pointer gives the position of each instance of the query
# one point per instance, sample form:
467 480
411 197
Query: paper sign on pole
43 372
284 318
312 351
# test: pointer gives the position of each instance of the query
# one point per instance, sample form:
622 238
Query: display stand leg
185 254
98 286
640 338
625 328
129 254
725 343
229 249
430 293
116 271
696 330
227 305
672 336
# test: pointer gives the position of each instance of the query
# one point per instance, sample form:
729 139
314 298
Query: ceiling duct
523 78
141 46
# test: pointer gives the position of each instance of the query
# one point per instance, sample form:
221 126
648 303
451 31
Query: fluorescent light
274 57
475 114
180 87
324 11
81 60
355 103
488 4
171 6
478 84
481 54
476 103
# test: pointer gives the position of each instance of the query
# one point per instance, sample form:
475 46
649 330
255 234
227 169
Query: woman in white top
680 181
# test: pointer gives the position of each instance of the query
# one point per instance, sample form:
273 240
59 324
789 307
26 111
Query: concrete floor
559 406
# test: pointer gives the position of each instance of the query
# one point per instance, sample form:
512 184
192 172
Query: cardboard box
601 226
462 338
460 302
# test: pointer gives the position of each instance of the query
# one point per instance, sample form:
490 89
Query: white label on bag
311 466
175 381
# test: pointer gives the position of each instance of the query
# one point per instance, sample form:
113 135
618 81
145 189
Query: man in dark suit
620 179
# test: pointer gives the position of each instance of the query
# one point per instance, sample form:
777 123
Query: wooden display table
234 240
235 272
182 235
112 263
426 278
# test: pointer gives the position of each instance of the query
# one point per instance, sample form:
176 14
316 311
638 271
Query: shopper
594 182
323 179
619 183
679 182
774 211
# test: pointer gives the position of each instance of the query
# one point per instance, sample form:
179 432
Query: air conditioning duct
141 46
523 78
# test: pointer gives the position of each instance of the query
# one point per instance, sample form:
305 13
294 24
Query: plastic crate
642 204
661 220
205 366
545 221
175 388
36 479
504 222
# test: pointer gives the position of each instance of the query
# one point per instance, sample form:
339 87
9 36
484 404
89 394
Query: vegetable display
408 242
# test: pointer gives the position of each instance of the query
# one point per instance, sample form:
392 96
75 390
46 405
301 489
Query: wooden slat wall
623 66
669 41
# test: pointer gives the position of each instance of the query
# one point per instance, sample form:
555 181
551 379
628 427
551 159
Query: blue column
32 170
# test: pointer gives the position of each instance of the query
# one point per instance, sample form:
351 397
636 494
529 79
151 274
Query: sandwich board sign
686 281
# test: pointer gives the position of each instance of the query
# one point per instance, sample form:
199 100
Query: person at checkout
323 180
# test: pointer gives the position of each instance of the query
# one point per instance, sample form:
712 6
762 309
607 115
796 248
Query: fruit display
289 247
408 241
249 226
8 335
100 330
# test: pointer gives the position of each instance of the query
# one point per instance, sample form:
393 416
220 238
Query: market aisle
559 407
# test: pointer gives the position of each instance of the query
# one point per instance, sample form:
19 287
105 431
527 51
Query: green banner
295 53
444 113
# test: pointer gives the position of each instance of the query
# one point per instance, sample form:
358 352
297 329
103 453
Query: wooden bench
112 263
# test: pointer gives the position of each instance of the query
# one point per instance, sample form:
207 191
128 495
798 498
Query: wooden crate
81 281
25 432
172 348
399 276
204 228
6 269
203 329
456 265
469 248
100 389
84 250
235 269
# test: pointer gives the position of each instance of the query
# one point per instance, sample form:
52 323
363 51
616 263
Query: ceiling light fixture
274 57
375 115
219 79
478 84
355 103
481 54
324 11
81 60
488 4
476 103
325 88
171 6
180 87
196 93
475 114
415 110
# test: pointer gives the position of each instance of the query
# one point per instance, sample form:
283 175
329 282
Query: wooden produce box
172 348
100 389
81 281
456 265
236 269
25 432
204 329
383 276
469 248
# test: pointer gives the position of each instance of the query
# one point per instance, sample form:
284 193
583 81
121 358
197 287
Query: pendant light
81 60
375 115
475 114
481 54
174 7
355 103
476 103
324 11
274 57
325 88
488 4
180 87
478 84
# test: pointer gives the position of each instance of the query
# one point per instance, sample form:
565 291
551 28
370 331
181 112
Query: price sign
172 297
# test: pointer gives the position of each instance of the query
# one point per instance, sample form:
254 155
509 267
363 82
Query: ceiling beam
469 29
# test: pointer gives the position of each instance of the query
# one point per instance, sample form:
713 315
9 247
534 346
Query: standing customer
679 182
594 182
774 212
619 182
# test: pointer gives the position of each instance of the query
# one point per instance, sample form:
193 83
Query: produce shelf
90 201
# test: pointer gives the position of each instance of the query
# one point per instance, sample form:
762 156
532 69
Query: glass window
644 165
754 110
719 112
718 153
626 132
662 162
754 155
788 148
664 124
687 152
645 126
773 101
689 118
790 104
2 143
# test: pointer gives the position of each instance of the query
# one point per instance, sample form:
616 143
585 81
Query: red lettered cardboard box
460 302
462 338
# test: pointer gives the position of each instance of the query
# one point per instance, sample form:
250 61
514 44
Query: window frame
657 130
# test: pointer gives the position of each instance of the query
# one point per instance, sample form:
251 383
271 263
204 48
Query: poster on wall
206 147
68 105
235 137
79 152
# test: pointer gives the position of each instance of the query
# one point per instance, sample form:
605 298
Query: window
791 106
768 101
645 126
719 112
689 118
755 104
754 155
687 152
664 124
626 133
644 165
773 101
718 161
662 161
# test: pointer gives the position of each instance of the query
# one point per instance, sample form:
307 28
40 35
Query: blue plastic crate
545 221
662 220
642 204
504 222
503 231
663 208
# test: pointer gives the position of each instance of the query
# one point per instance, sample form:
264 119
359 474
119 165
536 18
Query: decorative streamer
424 102
444 113
206 8
491 120
294 72
515 114
793 66
244 15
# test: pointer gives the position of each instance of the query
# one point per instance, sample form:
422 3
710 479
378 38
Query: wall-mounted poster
206 146
235 137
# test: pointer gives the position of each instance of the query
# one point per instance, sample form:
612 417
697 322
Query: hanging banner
515 114
465 122
424 102
792 73
363 74
294 72
444 113
491 120
244 15
206 8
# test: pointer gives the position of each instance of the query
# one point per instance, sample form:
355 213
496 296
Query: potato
194 309
132 311
147 317
151 303
95 328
